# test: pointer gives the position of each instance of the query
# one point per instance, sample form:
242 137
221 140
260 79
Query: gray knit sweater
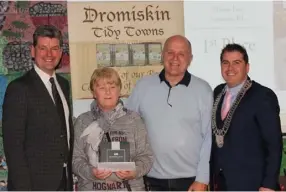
122 125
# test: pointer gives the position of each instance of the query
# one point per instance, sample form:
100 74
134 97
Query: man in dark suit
37 126
247 139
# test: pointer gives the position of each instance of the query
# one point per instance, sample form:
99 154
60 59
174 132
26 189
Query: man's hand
101 174
128 175
265 189
197 186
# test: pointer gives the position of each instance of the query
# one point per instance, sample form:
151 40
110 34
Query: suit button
61 155
62 136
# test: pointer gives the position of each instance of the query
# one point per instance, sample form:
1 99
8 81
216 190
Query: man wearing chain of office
247 139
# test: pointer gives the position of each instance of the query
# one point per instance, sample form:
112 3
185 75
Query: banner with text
128 36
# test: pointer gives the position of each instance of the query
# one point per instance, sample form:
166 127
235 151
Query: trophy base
117 166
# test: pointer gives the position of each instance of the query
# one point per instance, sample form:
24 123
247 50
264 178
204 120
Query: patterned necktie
227 104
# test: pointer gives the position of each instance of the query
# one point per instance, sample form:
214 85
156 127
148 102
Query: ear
93 94
61 51
33 51
247 68
191 59
162 57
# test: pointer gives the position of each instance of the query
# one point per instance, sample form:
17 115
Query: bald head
178 38
177 57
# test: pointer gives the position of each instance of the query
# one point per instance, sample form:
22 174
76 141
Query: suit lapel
243 104
66 91
63 87
237 110
43 96
41 88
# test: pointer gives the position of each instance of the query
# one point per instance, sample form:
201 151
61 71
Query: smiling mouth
174 65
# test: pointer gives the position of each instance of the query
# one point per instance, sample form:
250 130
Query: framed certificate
154 53
121 55
103 55
139 54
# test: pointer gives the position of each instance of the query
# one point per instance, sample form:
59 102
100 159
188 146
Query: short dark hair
47 31
235 47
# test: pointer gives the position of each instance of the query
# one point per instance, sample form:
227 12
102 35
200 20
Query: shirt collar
44 76
185 81
234 90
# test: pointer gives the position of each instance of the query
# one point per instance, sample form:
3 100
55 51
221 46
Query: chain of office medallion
227 121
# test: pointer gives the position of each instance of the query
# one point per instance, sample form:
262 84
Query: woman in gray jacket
108 115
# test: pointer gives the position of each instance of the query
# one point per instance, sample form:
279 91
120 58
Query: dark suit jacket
252 151
32 135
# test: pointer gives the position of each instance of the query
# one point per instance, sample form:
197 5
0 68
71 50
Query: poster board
127 36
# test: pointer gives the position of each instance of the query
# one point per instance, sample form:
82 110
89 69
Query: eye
55 48
237 62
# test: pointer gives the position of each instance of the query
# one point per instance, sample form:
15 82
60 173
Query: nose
229 66
176 57
49 52
107 90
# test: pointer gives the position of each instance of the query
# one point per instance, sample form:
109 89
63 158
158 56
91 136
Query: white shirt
46 80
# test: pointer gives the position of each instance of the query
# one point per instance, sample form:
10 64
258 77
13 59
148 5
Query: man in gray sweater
176 107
